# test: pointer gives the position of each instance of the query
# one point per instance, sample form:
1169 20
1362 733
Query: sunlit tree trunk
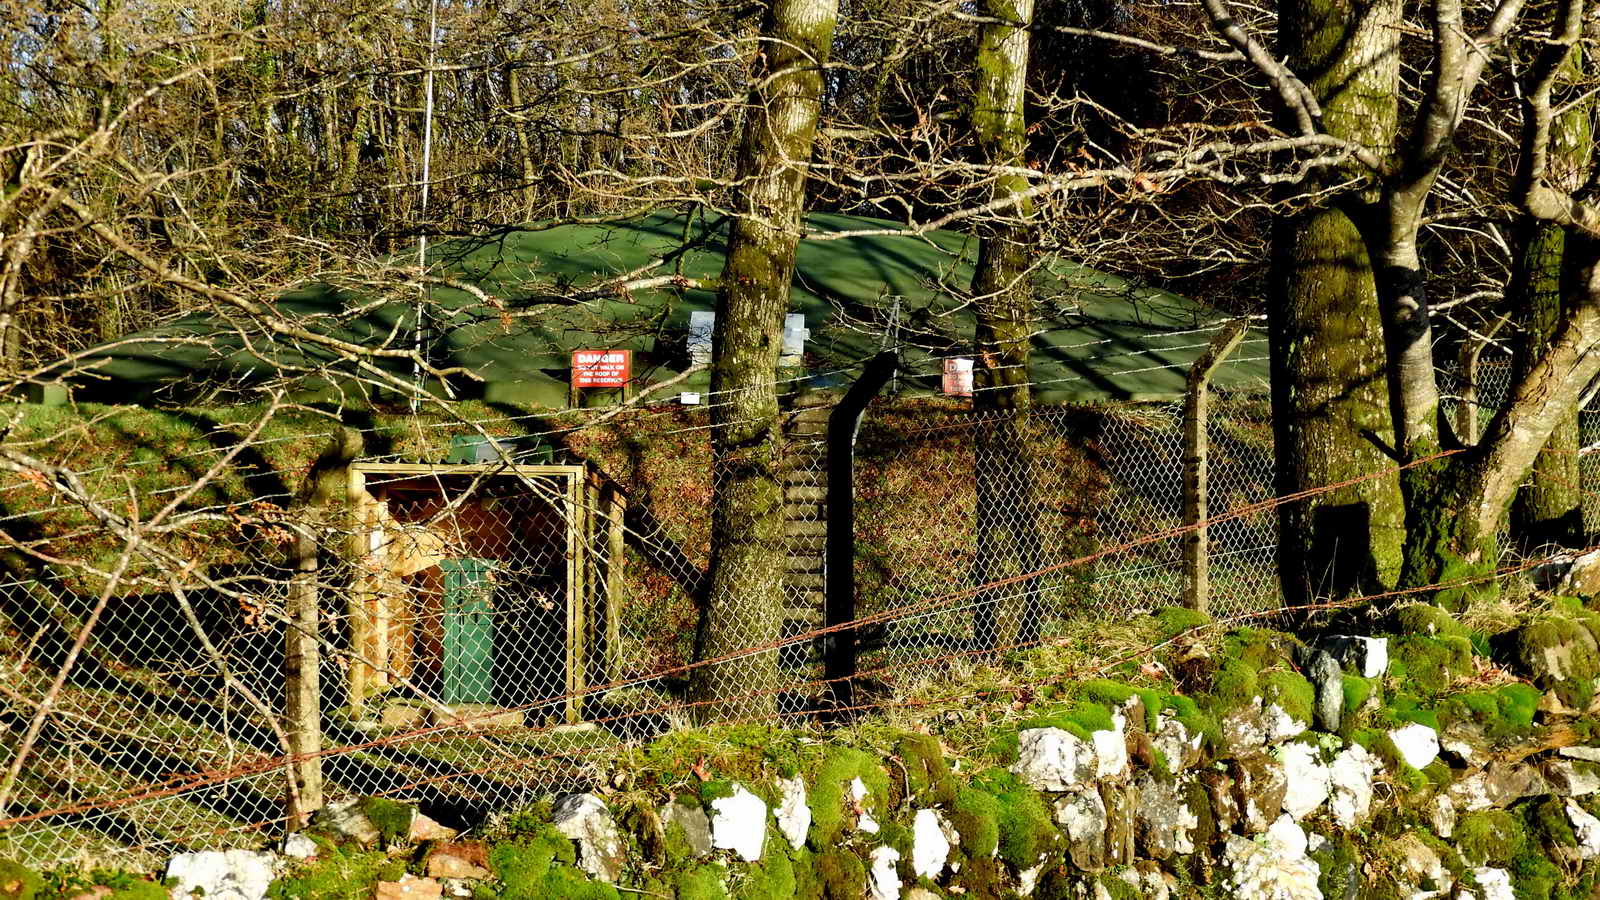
1008 540
1328 390
747 539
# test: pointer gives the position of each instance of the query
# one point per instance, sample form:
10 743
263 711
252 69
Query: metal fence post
839 647
1196 544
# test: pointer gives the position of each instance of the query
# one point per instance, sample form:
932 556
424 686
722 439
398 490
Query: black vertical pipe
839 569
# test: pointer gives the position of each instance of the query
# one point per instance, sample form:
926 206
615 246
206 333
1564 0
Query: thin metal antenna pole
422 212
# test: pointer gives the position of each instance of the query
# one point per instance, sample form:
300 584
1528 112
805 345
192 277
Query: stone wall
1431 761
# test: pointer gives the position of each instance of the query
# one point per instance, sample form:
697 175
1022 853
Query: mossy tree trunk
1328 388
1549 509
1456 504
747 539
1007 528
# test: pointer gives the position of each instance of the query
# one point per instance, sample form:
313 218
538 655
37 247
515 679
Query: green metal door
468 668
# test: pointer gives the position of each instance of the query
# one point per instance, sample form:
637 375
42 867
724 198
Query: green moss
1079 719
541 865
333 874
1291 692
17 882
1116 888
1548 820
1490 837
1503 713
1427 620
1357 691
927 772
1429 665
1235 685
391 817
568 883
976 817
701 883
841 874
1026 830
714 789
1338 866
1575 644
1174 620
829 793
771 879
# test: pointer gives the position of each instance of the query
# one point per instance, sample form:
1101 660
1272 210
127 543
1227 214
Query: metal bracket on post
839 647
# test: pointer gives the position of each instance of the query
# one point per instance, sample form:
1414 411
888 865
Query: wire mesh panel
491 634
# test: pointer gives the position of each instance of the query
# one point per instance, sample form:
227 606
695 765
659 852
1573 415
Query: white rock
299 846
1569 780
1586 828
1274 868
1306 779
1050 759
1459 749
739 823
885 880
1367 655
1350 777
222 874
1173 740
1110 749
1494 884
1028 879
1587 754
1287 837
1443 816
584 818
1279 725
929 849
794 814
1418 744
858 793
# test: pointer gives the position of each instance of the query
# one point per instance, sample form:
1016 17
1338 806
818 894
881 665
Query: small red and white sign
958 377
601 368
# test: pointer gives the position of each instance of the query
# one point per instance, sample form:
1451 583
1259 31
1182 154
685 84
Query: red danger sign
601 368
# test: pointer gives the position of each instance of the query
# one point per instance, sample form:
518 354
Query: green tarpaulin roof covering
1099 337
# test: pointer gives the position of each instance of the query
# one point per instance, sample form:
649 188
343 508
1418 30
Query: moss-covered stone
1559 654
1174 620
841 874
1500 714
1492 837
1427 620
771 879
1429 664
340 873
391 817
829 795
1291 692
707 882
17 882
1026 830
976 817
927 772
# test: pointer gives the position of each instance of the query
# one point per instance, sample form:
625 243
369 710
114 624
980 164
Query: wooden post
615 505
302 662
576 656
1196 398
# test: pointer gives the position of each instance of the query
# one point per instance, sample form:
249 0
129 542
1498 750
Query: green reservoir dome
861 289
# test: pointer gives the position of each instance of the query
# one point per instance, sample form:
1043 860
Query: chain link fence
490 634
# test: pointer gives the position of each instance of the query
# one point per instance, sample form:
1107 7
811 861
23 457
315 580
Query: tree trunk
747 539
1549 509
1328 390
1007 533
